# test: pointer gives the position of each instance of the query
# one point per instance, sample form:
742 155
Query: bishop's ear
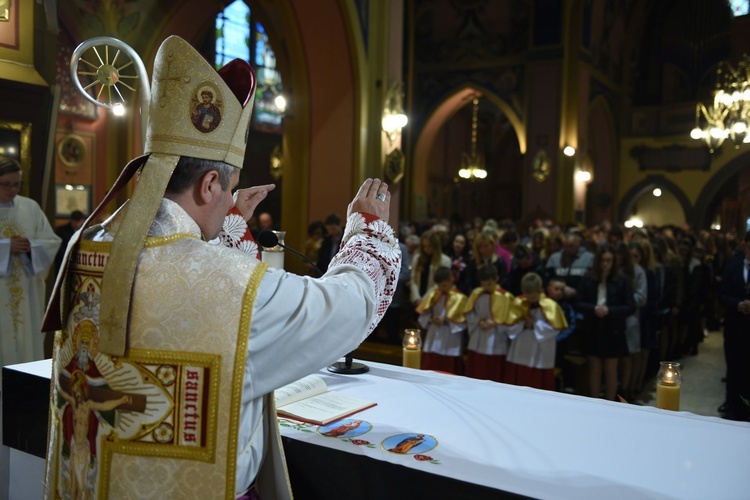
209 186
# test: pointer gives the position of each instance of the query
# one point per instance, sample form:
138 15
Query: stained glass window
233 33
238 35
267 111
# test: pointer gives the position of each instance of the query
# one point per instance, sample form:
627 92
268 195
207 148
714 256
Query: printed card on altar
309 400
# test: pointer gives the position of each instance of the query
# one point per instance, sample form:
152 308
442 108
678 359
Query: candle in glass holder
668 382
274 259
412 348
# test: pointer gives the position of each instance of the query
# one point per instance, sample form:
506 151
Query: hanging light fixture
472 165
729 115
394 119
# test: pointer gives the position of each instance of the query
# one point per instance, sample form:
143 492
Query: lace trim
369 244
235 234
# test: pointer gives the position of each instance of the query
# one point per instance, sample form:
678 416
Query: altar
502 439
433 435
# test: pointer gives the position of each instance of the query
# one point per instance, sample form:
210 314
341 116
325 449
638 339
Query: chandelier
729 115
472 165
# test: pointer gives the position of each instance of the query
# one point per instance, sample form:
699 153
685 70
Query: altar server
190 339
487 311
28 245
537 321
441 313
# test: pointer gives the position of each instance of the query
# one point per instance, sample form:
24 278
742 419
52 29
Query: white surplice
492 341
533 346
22 276
445 339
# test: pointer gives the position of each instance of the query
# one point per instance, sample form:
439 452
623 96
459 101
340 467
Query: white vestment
22 298
445 339
492 341
533 346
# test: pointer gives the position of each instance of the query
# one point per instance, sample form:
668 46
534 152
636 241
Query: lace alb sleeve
369 244
235 234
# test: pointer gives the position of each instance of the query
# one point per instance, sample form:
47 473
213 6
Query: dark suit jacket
733 291
620 301
324 254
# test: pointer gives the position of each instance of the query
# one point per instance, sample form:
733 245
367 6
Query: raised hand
247 200
374 198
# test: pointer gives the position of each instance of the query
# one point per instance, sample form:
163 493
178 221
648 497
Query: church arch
632 196
438 117
714 186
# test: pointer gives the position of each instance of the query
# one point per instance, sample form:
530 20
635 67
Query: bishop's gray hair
189 170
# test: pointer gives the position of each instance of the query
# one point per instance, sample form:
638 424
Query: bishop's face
10 185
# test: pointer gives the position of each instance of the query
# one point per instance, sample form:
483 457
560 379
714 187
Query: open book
309 400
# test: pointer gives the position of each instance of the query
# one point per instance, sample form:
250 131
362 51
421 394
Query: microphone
269 239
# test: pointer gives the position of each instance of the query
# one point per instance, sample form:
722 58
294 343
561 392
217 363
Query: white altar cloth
543 444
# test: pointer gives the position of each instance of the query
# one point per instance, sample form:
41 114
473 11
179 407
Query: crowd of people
632 297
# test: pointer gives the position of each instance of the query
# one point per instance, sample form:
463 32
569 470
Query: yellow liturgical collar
552 311
500 304
454 307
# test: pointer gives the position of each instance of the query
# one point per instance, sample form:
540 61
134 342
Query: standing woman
605 297
669 269
427 259
689 319
638 281
460 256
538 245
484 253
644 256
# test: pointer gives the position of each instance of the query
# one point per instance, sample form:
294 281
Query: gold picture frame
69 198
72 150
9 20
4 10
74 157
393 167
15 142
540 167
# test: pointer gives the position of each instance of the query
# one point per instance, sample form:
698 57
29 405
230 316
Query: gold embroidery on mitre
168 79
198 143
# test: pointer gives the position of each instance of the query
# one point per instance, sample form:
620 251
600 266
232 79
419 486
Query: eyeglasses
11 185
